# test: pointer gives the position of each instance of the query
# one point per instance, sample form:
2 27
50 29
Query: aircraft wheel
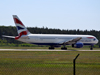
51 48
64 48
91 48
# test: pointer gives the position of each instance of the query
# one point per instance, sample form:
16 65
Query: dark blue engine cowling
78 45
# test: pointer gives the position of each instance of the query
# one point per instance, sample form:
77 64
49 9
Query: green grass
48 63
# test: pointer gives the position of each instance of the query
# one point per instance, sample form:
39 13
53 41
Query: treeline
11 31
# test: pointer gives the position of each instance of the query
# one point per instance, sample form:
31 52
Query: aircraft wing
73 41
8 36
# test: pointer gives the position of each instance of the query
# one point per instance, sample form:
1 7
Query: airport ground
46 47
54 62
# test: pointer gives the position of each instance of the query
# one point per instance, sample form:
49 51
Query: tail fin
21 29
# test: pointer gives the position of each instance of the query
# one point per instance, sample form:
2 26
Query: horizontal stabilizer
13 37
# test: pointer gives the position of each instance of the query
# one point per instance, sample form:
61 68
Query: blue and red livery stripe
18 21
91 37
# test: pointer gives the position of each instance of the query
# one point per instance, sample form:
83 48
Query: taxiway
41 50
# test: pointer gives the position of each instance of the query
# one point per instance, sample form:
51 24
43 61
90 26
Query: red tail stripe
18 21
22 33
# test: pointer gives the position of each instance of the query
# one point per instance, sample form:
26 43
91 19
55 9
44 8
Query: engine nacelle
78 45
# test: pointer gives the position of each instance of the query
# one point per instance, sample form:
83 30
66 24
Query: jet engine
77 45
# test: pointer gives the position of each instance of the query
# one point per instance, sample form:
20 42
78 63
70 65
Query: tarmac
41 50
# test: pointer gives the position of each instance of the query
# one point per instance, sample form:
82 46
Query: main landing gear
51 47
64 48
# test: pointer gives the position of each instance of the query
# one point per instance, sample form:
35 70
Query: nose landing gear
91 48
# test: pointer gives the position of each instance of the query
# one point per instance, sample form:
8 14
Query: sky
58 14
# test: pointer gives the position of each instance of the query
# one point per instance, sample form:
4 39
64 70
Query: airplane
53 40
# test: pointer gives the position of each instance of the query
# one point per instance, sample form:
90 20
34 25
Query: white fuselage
57 39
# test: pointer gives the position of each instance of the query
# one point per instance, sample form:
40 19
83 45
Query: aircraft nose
96 40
